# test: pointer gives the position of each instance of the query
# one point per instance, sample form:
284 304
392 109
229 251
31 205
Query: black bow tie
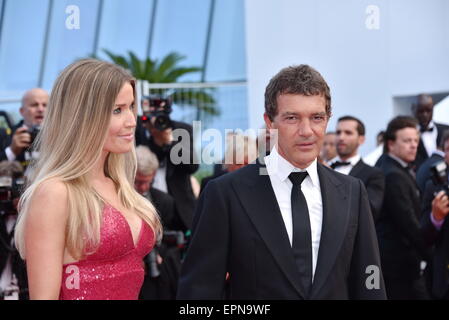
426 129
337 164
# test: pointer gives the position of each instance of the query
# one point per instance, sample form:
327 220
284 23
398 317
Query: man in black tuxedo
175 168
292 229
435 208
350 135
34 103
431 132
401 240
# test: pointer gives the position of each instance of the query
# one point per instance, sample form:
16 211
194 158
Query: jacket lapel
257 197
357 168
335 223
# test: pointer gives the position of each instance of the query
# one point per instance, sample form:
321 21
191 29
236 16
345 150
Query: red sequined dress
115 271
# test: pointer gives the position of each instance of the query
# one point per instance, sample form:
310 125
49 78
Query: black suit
164 286
423 175
422 155
238 228
440 240
5 141
401 240
374 181
177 175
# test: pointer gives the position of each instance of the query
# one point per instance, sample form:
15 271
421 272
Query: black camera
159 109
34 131
10 189
439 173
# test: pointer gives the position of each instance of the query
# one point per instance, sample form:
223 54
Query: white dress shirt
429 139
278 170
346 169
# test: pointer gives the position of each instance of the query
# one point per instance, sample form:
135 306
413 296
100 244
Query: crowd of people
101 191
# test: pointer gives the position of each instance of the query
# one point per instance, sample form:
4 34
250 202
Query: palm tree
168 71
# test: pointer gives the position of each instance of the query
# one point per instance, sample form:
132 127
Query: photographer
156 131
435 224
164 262
13 281
32 110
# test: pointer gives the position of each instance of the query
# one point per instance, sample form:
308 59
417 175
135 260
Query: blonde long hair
71 142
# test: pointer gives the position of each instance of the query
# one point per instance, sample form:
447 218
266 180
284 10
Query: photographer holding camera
435 224
32 110
156 130
13 280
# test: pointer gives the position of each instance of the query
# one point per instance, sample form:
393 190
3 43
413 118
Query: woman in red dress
82 227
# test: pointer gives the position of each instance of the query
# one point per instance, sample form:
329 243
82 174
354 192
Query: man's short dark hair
396 124
303 80
360 125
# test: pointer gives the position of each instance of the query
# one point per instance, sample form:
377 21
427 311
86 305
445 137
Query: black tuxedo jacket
238 228
400 236
374 181
177 175
422 155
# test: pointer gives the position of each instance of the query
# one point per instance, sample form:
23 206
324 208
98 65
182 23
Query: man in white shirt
350 136
294 229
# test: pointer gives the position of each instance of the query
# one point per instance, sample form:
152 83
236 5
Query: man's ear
268 122
361 140
22 110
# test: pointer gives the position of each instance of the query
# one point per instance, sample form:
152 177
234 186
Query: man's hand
440 206
20 140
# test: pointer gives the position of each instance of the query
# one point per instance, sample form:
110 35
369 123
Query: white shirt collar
277 165
429 126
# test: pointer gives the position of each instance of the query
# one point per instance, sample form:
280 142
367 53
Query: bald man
430 132
34 103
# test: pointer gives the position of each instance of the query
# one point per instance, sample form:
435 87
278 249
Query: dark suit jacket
238 228
4 143
422 155
374 181
423 175
165 206
401 240
440 240
178 175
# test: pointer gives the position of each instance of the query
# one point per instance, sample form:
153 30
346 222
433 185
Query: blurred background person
431 132
163 264
155 130
329 148
13 278
34 103
240 151
350 135
374 155
401 240
435 208
424 173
